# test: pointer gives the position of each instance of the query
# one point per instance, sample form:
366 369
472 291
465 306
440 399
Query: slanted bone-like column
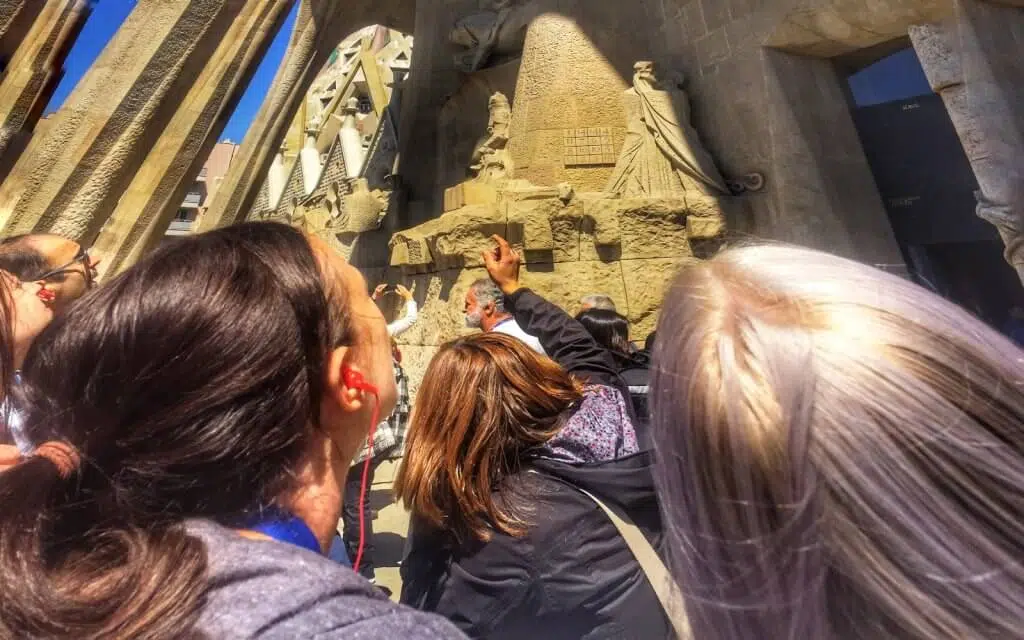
144 84
984 111
154 195
33 70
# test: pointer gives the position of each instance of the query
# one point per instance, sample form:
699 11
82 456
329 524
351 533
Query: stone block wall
627 248
636 286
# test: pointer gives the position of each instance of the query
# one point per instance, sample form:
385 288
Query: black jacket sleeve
564 339
488 591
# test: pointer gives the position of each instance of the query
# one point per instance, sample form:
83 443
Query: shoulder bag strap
665 588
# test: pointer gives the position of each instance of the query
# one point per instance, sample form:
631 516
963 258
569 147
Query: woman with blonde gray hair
842 454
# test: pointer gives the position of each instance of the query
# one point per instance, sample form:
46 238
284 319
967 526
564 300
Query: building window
364 104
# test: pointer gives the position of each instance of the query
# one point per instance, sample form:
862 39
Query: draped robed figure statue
662 155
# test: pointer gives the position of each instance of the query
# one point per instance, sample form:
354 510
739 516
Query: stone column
16 18
319 27
165 67
980 89
566 85
146 208
31 74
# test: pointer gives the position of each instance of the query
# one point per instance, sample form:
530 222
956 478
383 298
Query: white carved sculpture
662 155
311 164
363 210
351 140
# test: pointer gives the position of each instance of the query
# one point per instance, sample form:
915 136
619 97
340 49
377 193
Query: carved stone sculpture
491 160
495 33
662 155
363 209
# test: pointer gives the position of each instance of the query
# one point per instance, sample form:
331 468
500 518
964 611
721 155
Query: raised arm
398 327
564 339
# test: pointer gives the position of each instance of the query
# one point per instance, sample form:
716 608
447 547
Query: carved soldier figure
490 158
662 154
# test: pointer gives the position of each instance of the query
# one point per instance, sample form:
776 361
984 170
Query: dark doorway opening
928 187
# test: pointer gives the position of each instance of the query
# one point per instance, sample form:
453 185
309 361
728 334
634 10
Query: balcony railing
180 227
192 200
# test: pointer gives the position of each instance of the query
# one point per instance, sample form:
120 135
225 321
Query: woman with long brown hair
501 445
842 454
195 419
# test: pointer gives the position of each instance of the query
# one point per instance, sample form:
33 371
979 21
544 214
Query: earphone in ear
355 380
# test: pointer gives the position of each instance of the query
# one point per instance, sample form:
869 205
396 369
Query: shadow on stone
388 549
380 498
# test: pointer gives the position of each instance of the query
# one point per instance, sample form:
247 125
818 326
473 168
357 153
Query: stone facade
756 95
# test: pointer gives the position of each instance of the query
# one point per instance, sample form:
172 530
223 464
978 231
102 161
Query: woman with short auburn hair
502 443
842 454
484 402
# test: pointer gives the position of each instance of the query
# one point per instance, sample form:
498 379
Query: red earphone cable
366 477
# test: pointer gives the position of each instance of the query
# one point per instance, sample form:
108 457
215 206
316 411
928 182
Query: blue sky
108 15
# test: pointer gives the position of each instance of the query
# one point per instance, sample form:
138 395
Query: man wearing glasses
62 266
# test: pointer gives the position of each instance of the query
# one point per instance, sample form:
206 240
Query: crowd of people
807 447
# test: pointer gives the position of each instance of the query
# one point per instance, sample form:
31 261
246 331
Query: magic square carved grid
589 147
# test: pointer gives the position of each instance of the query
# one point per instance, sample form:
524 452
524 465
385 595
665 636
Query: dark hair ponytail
187 384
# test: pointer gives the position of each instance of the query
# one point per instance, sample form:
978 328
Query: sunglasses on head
81 257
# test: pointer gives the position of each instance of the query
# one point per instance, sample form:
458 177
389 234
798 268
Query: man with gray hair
597 301
485 309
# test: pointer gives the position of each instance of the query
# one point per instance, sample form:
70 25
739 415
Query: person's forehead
56 249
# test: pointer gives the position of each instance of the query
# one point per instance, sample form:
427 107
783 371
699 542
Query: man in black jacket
572 574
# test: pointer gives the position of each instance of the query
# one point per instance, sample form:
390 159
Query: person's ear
489 309
338 376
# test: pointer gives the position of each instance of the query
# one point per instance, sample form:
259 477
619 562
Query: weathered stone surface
441 297
567 282
455 240
975 65
935 48
33 67
756 109
646 282
142 214
707 215
530 222
654 229
602 220
562 70
832 29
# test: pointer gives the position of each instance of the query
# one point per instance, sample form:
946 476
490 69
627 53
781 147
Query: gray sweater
266 589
